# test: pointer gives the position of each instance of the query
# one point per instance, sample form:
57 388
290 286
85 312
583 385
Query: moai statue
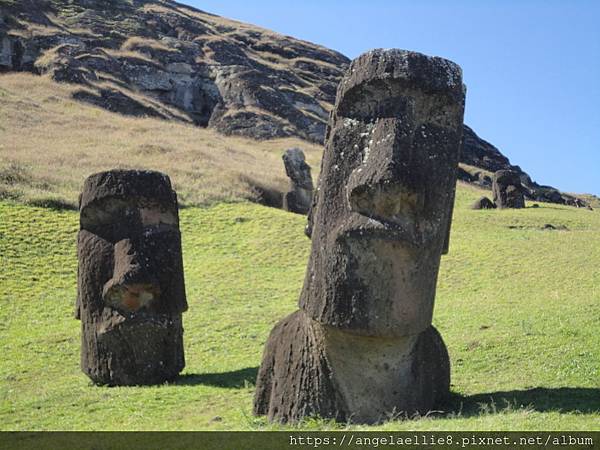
131 291
362 347
508 190
299 198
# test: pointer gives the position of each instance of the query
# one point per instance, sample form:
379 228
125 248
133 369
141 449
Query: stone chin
382 286
149 341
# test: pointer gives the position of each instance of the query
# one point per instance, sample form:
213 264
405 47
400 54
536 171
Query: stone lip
122 184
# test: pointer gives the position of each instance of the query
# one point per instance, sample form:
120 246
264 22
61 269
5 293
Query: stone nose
384 185
133 285
392 202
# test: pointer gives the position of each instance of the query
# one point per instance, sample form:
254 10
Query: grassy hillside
517 305
50 143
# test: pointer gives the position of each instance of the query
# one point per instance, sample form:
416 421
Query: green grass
518 308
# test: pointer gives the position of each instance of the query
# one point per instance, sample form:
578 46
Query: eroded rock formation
131 291
508 190
299 198
362 346
165 59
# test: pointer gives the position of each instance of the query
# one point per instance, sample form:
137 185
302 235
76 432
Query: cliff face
164 59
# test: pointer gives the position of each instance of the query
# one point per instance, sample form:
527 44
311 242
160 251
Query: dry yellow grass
50 143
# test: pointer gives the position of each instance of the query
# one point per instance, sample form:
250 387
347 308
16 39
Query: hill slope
523 340
50 143
163 59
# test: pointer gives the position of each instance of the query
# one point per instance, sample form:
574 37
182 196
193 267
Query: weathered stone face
299 198
385 194
362 346
131 289
508 190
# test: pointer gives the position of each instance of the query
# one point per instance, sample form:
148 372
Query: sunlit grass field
517 305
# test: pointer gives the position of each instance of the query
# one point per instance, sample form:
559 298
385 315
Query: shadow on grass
566 400
236 379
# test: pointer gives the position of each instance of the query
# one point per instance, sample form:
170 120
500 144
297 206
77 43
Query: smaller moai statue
508 190
299 198
361 347
131 292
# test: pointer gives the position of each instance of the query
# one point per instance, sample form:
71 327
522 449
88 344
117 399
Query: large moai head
131 289
508 190
383 206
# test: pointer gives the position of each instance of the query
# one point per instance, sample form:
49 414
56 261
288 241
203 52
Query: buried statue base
350 378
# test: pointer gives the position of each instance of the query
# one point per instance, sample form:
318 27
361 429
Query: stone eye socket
114 224
374 100
116 219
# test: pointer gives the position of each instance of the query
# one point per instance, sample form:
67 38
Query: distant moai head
508 190
299 198
297 169
383 206
131 289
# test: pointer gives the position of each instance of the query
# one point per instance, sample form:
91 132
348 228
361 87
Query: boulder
362 346
483 203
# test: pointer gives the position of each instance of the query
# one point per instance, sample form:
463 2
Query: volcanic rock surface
165 59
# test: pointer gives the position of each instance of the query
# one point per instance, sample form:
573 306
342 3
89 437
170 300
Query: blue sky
532 67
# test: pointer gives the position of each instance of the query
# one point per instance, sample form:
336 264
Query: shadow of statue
564 399
235 379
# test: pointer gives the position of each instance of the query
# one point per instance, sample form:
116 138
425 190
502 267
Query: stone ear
446 246
447 239
308 229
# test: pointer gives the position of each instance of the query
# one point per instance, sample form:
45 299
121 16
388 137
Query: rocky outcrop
484 159
169 60
480 153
